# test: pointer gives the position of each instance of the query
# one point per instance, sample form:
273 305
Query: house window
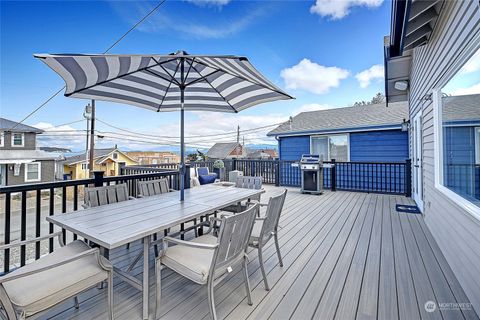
115 156
457 126
330 147
84 166
32 172
18 139
2 137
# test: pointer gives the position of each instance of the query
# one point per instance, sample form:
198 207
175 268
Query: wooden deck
346 256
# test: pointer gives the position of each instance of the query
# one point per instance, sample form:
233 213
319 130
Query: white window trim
13 137
463 203
477 145
39 172
2 138
328 149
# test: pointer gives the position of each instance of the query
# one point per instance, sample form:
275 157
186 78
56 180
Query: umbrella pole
182 132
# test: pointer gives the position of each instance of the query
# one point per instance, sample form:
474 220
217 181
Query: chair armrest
140 196
189 243
131 198
260 218
94 251
34 240
256 202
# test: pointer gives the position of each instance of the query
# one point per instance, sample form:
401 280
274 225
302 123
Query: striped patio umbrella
178 81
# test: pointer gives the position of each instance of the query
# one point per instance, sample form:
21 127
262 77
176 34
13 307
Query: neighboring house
226 150
370 133
109 160
154 157
263 154
20 160
430 42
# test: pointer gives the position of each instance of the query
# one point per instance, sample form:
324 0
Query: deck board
346 256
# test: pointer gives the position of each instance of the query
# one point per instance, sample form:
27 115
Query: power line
106 51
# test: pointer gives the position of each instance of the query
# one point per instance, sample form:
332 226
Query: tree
378 98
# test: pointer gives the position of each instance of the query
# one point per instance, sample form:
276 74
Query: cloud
472 65
218 3
475 89
338 9
312 77
365 77
312 107
199 26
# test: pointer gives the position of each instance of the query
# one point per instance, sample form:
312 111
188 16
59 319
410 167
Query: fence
381 177
25 207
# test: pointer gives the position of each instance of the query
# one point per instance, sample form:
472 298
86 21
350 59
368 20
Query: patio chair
245 182
207 260
205 176
58 276
153 187
265 228
100 196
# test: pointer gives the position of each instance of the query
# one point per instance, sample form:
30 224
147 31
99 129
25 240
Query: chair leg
110 295
158 287
128 246
247 282
211 299
155 246
75 300
262 268
195 229
277 247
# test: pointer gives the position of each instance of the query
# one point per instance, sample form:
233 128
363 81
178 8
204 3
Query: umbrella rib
202 78
188 71
166 71
168 88
119 77
248 80
206 80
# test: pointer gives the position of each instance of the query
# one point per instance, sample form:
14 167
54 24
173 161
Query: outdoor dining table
114 225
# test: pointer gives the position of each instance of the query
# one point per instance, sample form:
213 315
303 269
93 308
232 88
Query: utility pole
238 140
92 139
87 114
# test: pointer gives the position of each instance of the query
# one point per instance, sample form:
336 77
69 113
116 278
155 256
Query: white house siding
456 231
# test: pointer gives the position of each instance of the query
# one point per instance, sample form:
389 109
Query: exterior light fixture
401 85
405 125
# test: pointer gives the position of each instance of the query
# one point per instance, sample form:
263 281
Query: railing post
98 178
277 173
187 176
408 177
333 176
234 164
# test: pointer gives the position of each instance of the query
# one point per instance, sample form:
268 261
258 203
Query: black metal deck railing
23 208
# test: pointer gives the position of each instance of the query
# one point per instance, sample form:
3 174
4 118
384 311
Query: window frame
452 196
13 145
2 138
328 141
477 146
39 166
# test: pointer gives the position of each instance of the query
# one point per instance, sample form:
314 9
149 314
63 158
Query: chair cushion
40 291
206 179
192 263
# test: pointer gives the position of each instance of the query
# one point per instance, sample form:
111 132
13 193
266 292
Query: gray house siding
47 173
29 142
455 230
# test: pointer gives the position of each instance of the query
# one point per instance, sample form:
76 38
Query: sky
324 53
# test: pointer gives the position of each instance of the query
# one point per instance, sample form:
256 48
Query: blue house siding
371 146
460 172
379 146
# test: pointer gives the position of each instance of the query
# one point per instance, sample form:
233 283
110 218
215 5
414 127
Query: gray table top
120 223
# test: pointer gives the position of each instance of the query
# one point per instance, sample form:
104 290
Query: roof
97 153
27 155
345 119
221 150
461 108
7 125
